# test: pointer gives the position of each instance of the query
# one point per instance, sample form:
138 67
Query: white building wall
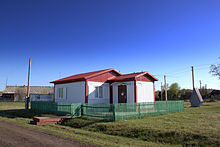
145 91
91 93
72 92
130 91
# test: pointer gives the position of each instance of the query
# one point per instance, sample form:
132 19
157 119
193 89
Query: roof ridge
132 73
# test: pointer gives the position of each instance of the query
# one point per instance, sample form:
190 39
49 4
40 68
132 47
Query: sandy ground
15 135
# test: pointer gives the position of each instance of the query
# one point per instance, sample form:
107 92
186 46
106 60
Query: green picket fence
59 108
104 111
111 112
126 111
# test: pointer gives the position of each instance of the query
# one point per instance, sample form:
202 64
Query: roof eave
68 81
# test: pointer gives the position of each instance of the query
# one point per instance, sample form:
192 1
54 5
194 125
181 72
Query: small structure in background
18 93
196 98
41 97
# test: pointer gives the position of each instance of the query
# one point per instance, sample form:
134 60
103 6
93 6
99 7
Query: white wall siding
130 91
91 93
72 92
145 91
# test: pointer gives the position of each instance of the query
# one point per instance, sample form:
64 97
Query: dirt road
15 135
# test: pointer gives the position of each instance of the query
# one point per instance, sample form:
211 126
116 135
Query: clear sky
68 37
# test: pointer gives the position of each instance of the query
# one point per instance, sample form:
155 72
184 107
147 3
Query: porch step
48 120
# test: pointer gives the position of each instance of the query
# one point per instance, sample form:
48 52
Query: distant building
41 97
196 98
215 93
18 93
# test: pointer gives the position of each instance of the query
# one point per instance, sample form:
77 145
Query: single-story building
18 93
105 87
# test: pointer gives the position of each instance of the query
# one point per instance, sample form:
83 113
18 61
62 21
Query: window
60 92
99 92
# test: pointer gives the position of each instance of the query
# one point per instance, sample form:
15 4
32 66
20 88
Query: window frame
60 94
99 92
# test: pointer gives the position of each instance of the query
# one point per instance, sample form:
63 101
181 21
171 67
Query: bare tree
215 70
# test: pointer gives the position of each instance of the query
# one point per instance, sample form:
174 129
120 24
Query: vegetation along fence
111 112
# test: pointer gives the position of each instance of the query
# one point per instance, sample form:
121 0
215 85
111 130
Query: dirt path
15 135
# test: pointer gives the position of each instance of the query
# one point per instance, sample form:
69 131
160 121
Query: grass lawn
194 126
14 112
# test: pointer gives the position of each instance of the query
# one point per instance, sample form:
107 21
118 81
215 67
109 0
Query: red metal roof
83 76
133 76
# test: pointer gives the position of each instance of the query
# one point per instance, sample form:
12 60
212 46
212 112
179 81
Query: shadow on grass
81 122
23 113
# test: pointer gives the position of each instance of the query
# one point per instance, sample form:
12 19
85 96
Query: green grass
14 112
194 126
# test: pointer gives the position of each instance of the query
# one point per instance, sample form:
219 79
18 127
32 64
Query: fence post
81 109
113 112
71 110
139 110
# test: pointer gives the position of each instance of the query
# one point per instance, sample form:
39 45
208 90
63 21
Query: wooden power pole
27 99
193 78
165 86
6 83
161 93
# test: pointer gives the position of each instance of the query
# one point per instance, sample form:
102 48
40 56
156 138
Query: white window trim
59 89
98 88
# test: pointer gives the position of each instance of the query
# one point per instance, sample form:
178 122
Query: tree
174 91
215 70
203 92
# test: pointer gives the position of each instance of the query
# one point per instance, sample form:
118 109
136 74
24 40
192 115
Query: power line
180 70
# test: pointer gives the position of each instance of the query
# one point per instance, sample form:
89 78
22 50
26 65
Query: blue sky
74 36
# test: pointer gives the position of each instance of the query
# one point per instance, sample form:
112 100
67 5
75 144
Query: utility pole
165 86
200 84
193 78
6 83
161 95
27 99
